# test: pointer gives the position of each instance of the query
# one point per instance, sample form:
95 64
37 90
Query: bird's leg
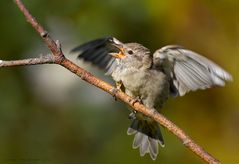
119 87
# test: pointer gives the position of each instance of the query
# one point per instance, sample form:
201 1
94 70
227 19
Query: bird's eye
130 52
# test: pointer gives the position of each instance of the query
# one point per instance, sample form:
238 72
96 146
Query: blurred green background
48 115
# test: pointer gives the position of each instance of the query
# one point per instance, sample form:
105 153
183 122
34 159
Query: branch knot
44 34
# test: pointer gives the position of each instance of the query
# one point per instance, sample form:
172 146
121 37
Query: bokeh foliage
50 116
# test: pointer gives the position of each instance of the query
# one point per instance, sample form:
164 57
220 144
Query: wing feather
188 70
216 70
97 53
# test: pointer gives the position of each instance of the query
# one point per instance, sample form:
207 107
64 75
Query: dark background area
48 115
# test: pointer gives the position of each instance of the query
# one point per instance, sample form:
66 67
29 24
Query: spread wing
97 52
188 70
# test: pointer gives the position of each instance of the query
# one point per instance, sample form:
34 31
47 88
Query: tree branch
59 58
31 61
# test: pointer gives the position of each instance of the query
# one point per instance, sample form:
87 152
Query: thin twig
88 77
30 61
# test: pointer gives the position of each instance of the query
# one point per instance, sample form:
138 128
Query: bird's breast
133 80
151 86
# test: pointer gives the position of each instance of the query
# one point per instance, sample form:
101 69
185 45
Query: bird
151 79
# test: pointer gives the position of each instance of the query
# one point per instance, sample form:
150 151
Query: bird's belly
156 91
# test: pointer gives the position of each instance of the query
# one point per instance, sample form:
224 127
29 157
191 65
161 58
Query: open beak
119 54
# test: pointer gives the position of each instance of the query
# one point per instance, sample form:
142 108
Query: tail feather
153 147
138 138
144 148
147 135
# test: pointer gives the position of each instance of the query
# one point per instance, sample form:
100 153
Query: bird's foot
135 100
114 92
119 87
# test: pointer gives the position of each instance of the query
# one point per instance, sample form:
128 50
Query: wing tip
223 76
94 42
228 77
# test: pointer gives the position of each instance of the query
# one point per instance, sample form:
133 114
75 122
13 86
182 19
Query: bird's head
133 55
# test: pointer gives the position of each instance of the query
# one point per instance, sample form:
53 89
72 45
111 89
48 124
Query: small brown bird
151 78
